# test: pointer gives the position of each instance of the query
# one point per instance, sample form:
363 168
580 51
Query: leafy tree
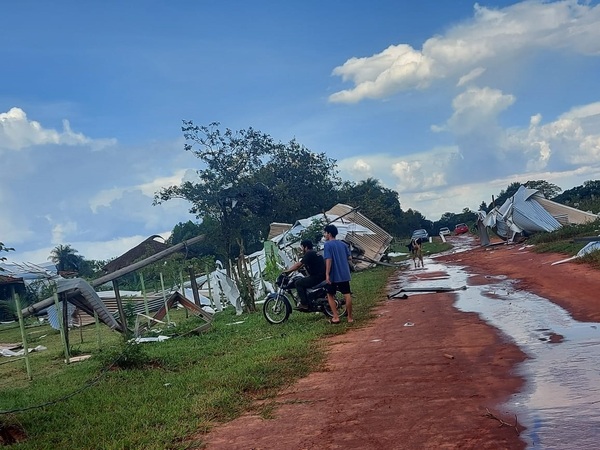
302 183
207 247
549 190
448 220
226 190
585 197
411 220
66 258
249 181
506 194
379 204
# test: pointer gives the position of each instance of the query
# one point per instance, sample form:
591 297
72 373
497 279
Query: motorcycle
277 307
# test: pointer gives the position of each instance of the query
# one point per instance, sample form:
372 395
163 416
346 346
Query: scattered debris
589 248
428 289
502 422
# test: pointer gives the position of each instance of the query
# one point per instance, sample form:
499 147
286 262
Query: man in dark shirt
314 265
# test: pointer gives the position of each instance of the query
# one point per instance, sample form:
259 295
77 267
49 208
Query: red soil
435 385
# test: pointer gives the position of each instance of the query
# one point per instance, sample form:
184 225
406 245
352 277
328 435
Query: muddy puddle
560 402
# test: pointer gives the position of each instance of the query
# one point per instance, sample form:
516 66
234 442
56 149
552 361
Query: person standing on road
337 272
314 265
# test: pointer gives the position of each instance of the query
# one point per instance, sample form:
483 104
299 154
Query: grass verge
171 389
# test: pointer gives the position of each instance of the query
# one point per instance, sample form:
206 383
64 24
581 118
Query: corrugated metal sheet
573 215
373 245
277 228
155 302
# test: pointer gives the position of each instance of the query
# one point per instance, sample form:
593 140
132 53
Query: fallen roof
373 244
529 211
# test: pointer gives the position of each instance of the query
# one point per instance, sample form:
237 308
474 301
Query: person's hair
307 243
331 229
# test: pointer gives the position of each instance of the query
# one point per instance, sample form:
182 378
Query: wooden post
162 286
65 321
210 294
146 308
194 285
23 333
98 337
122 317
183 290
61 326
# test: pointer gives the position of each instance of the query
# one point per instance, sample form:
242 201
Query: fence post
23 333
61 326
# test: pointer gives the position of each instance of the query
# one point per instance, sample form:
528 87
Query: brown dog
416 252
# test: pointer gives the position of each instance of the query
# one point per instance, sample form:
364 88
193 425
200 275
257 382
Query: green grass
172 389
563 241
429 248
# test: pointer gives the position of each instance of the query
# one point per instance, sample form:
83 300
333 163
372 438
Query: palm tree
66 258
4 248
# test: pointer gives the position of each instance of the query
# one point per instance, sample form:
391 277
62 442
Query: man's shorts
342 286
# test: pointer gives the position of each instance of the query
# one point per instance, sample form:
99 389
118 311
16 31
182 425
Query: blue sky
445 102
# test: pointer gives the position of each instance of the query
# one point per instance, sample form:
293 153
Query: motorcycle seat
322 284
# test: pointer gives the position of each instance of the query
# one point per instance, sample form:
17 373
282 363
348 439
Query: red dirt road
427 386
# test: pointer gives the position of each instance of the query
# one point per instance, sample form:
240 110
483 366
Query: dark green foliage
411 220
585 197
450 220
249 181
3 248
129 355
302 182
567 232
549 190
66 258
379 204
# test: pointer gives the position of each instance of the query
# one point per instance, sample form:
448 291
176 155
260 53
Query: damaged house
368 241
527 212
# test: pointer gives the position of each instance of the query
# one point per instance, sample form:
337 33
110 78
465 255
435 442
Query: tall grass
563 241
173 388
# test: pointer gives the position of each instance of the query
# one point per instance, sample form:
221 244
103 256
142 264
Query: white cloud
468 49
396 68
476 108
406 173
472 75
62 231
582 112
573 139
18 132
106 197
488 158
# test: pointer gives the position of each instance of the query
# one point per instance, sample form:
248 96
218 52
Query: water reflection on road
560 403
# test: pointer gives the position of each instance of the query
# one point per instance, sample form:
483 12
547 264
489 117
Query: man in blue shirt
337 271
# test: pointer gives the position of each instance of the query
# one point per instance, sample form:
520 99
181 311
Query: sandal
332 322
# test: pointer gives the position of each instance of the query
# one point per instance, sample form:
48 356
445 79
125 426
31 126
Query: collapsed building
528 212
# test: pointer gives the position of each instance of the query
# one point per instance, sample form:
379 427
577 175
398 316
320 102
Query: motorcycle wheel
277 309
341 306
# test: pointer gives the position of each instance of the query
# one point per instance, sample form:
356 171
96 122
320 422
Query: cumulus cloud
466 50
572 140
18 132
471 76
61 231
406 173
476 108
